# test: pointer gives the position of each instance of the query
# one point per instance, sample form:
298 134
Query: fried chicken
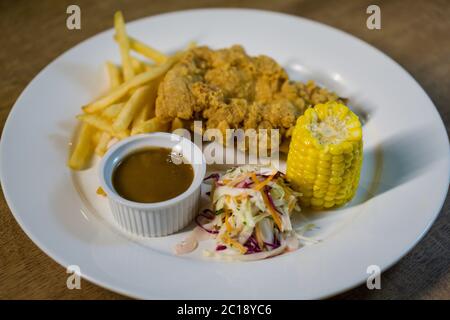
230 90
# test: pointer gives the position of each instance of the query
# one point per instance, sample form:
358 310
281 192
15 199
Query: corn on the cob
325 155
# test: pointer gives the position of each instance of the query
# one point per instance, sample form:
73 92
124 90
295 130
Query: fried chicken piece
232 90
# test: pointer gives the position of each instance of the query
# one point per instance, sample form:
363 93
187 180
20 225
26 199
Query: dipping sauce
149 175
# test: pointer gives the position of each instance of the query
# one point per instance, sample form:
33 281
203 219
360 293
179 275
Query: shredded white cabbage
252 209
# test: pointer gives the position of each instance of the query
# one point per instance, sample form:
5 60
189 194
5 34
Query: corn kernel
337 166
340 197
313 154
318 194
337 159
321 183
322 111
347 147
322 177
316 202
324 164
333 188
321 171
335 149
335 180
328 204
318 188
325 156
337 173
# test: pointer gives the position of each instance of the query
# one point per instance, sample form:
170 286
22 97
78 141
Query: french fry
141 66
148 111
101 192
130 101
148 66
152 125
83 149
112 111
102 145
131 108
102 124
114 75
124 45
115 79
145 50
96 137
139 118
137 65
139 80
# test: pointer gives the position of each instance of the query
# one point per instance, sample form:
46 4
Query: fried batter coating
231 90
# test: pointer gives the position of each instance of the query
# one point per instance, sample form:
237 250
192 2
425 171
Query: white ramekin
160 218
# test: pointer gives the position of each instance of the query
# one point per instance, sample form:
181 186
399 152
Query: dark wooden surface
415 33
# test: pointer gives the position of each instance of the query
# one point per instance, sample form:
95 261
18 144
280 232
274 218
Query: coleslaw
250 215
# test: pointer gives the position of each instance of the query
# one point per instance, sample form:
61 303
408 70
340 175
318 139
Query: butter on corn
325 155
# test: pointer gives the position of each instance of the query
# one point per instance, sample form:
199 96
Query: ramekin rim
113 195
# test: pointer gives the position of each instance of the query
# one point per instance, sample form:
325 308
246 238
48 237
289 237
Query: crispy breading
230 90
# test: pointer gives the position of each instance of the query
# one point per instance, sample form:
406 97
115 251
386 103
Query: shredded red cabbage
252 245
220 247
204 214
207 213
276 243
244 184
214 176
276 175
272 245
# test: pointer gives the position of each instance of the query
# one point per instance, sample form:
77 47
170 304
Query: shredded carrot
233 243
261 185
227 223
254 178
272 212
238 179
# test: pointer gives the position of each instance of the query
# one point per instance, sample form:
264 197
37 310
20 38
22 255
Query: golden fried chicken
229 90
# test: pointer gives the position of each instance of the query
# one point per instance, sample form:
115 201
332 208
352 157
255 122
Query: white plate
404 181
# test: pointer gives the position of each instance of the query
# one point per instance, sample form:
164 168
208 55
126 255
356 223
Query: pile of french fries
128 108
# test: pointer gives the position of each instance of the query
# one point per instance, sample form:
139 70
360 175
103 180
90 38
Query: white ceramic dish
153 219
404 181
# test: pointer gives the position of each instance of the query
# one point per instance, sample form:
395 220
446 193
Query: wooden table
414 33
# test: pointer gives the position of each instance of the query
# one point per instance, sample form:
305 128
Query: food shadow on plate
406 157
387 165
394 162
